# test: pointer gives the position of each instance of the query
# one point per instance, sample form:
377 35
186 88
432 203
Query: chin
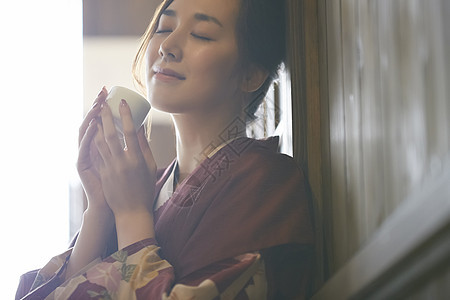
167 106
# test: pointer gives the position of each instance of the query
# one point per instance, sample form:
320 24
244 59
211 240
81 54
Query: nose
170 49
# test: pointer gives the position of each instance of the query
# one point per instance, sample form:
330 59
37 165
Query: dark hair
261 33
261 38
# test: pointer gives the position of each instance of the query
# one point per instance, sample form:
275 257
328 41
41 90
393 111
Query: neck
198 136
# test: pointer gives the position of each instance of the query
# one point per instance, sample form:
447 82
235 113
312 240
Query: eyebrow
197 16
203 17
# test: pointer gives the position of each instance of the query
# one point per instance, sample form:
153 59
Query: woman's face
192 59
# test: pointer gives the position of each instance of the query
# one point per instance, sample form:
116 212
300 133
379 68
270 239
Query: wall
388 110
373 89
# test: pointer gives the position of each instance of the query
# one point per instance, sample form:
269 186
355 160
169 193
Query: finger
109 131
146 151
84 160
129 131
101 144
93 112
96 158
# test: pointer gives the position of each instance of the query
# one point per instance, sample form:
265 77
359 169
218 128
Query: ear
254 79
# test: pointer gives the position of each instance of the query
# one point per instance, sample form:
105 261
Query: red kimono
238 227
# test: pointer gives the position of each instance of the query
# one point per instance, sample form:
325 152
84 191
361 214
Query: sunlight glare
41 80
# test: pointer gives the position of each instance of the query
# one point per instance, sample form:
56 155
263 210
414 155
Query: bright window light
41 99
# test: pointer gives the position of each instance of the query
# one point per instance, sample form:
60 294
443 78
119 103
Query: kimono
238 227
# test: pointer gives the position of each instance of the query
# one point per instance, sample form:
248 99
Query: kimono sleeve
44 280
137 272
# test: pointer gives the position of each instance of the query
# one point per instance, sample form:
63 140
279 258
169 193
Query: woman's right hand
98 219
88 158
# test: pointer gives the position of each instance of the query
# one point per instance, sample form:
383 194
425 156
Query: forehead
225 11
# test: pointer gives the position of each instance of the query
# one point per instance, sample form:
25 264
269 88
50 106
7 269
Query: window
41 79
274 115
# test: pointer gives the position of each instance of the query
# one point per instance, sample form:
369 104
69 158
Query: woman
229 217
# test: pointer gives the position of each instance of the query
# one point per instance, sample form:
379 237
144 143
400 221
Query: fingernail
123 102
103 90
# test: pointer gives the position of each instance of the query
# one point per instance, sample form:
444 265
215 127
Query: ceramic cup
139 106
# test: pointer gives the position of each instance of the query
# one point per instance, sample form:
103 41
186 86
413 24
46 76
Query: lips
168 73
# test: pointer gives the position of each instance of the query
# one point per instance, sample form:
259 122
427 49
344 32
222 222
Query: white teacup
139 106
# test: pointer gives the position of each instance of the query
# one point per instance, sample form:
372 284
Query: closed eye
201 37
163 31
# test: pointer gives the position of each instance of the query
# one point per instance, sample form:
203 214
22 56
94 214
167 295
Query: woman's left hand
128 175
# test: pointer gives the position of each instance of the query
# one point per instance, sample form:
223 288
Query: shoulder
261 158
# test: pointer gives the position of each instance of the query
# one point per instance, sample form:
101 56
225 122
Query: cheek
152 53
219 66
151 56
